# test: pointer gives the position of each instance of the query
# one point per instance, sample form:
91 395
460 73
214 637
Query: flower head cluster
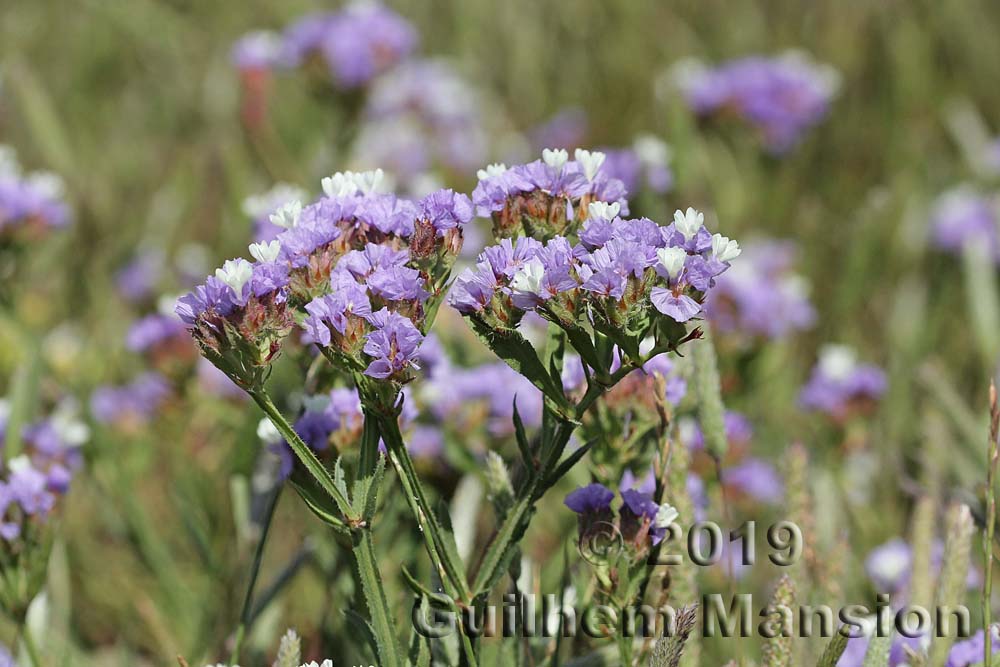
840 385
239 316
30 203
781 97
420 115
761 296
548 197
640 519
132 404
31 484
621 276
354 44
962 218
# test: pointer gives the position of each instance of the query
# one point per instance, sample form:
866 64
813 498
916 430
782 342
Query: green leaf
711 412
512 347
522 440
877 654
833 651
567 463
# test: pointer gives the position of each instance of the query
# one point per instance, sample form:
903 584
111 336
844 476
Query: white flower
9 166
555 158
265 252
368 181
4 410
341 184
19 463
235 273
47 184
589 161
529 277
665 516
67 424
837 361
724 248
326 663
651 150
317 403
603 210
492 170
672 259
287 215
267 432
689 222
258 206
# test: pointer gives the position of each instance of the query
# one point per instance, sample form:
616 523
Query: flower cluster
840 385
761 296
420 115
354 44
640 519
962 218
31 483
132 404
618 276
30 203
548 197
364 269
781 97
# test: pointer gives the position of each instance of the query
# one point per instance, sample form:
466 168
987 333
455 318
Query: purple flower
679 307
388 214
961 218
393 344
425 442
641 167
590 499
781 97
132 403
889 566
137 280
970 651
397 283
760 295
839 382
29 199
566 129
757 479
154 330
214 295
445 209
335 311
357 43
473 289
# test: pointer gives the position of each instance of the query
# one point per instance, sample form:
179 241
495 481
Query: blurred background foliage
135 103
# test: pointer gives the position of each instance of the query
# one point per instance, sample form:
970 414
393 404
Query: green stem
30 647
304 453
258 557
442 555
383 625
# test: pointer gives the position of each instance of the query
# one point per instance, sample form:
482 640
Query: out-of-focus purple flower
739 431
781 97
889 566
356 43
963 217
590 499
132 403
454 391
213 381
420 115
839 383
970 651
756 478
259 50
425 442
567 129
137 280
31 201
760 295
393 344
153 330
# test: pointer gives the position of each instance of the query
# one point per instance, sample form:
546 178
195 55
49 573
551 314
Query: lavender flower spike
393 345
